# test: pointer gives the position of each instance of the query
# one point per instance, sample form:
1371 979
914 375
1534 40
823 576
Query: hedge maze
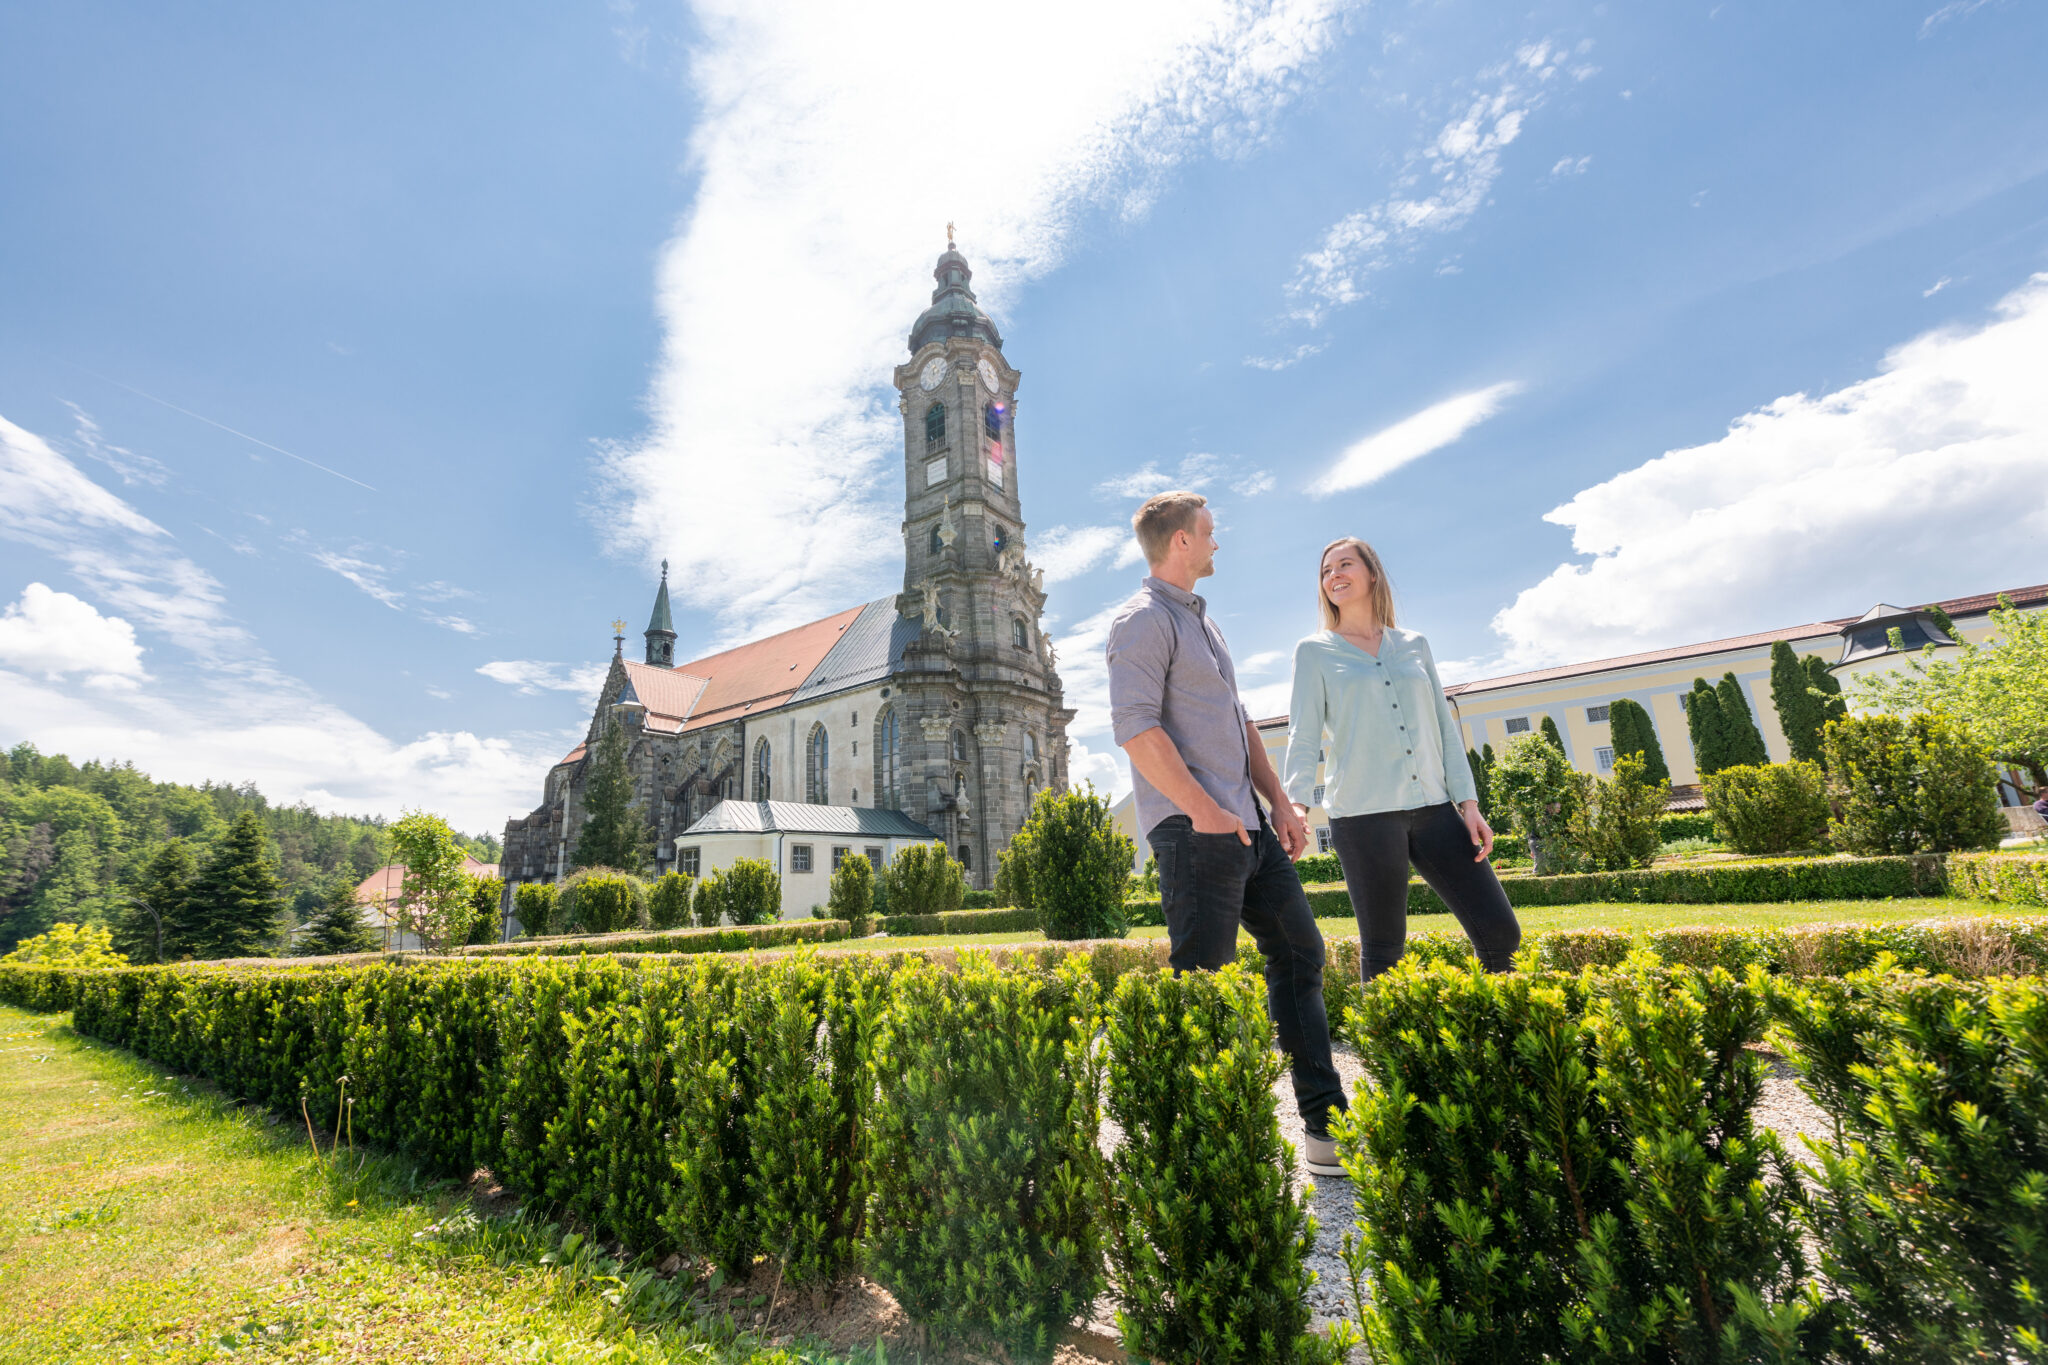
1556 1164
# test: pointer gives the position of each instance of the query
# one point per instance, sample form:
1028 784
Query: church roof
757 675
795 817
669 694
866 651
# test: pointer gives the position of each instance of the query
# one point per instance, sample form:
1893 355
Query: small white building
802 842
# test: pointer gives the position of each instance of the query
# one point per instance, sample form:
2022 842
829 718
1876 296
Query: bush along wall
729 940
1004 921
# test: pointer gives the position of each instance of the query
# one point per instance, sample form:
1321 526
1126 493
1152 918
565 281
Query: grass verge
143 1217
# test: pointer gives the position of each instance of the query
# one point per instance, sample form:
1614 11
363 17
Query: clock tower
982 720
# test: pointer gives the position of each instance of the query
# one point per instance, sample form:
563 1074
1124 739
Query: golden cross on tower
949 234
619 629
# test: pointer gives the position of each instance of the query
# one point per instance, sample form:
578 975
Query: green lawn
144 1218
1535 919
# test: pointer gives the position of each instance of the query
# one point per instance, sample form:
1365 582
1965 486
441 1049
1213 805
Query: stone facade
943 702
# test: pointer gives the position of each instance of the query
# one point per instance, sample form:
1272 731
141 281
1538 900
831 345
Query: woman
1397 786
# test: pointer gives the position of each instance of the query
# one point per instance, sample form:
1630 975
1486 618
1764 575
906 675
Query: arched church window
818 768
761 758
1020 634
992 418
935 424
959 747
888 759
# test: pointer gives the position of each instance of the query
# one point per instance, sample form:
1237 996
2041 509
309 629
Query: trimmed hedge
2012 878
1004 921
727 940
1684 825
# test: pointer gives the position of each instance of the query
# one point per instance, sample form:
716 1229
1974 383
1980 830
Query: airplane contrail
200 417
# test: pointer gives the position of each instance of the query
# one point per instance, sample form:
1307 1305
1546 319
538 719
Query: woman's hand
1476 826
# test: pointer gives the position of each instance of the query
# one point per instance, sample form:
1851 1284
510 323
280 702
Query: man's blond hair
1164 516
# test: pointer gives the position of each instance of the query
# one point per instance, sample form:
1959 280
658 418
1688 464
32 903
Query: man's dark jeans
1208 885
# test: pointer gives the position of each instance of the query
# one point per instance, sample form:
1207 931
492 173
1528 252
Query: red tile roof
386 884
669 694
759 674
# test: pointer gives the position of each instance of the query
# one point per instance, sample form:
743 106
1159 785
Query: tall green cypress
1550 733
1830 704
1745 741
1706 728
237 902
1482 783
1635 733
614 834
1798 711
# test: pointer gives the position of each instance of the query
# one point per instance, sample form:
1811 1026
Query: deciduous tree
436 903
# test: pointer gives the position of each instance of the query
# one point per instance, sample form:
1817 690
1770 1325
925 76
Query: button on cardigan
1393 743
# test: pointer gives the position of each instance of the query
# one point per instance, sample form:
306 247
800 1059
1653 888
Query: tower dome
953 313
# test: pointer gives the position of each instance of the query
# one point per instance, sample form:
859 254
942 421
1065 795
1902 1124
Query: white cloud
461 625
1442 184
131 467
1569 166
1380 454
231 713
1069 551
825 173
532 677
1954 9
1931 290
53 634
1194 473
1921 482
1262 662
363 573
1288 360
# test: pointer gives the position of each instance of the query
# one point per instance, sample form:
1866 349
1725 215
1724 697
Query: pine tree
236 899
338 927
1830 704
1482 782
158 911
1550 733
1798 709
614 835
1635 734
1706 728
1745 741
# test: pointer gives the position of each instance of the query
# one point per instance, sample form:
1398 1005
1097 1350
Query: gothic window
761 771
935 424
959 747
888 760
1020 634
818 768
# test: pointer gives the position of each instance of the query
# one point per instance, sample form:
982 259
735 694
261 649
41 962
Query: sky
359 365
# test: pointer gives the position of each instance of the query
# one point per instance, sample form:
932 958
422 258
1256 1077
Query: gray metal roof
864 653
794 817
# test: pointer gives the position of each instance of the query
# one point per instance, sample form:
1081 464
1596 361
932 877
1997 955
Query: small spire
618 637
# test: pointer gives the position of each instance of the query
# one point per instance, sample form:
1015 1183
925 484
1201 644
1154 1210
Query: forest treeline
78 842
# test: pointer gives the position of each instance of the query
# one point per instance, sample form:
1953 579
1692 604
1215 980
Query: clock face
988 374
934 371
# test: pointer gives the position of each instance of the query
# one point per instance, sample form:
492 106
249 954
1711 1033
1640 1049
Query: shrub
1079 864
486 908
725 939
1538 1155
1310 867
1999 877
1614 824
1534 784
1745 741
1013 872
1004 921
604 903
922 879
1671 828
1548 729
337 927
1909 786
1769 807
1706 728
1931 1215
752 891
707 904
1482 782
982 1199
852 897
536 906
1633 732
668 901
68 945
1207 1246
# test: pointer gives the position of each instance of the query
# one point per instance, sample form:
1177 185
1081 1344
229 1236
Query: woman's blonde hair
1382 592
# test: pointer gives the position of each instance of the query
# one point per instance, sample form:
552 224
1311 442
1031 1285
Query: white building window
1595 714
874 856
1604 756
1518 725
687 861
839 852
1322 838
799 857
1319 795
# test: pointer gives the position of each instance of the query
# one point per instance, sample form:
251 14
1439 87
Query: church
934 714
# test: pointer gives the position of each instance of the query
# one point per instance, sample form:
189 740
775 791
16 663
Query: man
1196 760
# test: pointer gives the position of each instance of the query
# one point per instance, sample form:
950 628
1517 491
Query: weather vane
618 629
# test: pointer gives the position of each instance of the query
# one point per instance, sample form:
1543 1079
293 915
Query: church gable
761 674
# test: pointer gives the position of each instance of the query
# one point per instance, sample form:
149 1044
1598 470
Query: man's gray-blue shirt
1169 668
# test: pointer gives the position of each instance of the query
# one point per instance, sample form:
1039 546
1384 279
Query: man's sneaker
1319 1154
